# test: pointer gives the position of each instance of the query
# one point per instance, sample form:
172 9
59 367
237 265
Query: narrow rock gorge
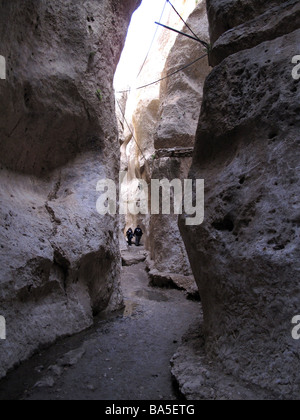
60 261
228 115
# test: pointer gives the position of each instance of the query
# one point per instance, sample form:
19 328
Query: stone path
126 356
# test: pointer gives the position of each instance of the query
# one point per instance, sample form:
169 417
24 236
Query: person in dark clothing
129 235
138 233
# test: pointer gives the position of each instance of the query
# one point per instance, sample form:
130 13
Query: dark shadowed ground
124 357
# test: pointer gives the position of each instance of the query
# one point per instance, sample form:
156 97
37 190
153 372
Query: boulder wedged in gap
175 281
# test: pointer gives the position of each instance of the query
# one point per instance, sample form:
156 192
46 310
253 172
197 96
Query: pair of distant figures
138 233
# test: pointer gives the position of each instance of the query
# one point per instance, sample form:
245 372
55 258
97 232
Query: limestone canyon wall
178 114
246 255
58 137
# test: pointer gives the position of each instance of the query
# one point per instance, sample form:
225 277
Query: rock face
180 95
164 121
225 15
178 116
167 249
175 281
246 255
132 257
60 260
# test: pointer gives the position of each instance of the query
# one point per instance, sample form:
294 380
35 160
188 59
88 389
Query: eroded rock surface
245 256
180 96
225 15
175 281
60 260
130 257
279 20
199 379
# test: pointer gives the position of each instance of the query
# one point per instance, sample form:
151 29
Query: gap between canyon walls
60 261
157 132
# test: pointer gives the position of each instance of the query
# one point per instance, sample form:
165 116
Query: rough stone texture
130 258
54 372
181 94
224 15
198 378
245 256
275 22
60 260
167 249
175 281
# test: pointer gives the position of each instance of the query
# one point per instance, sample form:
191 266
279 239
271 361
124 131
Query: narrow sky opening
138 41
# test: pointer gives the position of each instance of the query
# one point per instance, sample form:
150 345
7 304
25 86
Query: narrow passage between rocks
124 356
